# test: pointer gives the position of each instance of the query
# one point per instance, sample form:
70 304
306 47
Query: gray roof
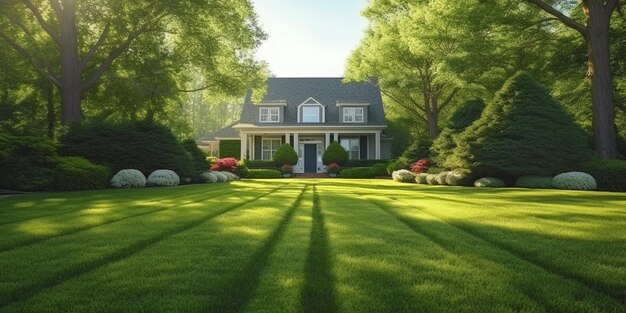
327 91
226 132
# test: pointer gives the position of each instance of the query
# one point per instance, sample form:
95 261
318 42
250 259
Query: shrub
538 182
357 172
609 174
417 150
379 169
286 169
420 166
523 131
208 177
198 157
441 178
230 149
335 153
229 176
160 178
431 179
242 169
399 164
489 182
256 164
76 173
332 168
221 178
575 181
459 178
128 178
145 146
26 163
403 176
363 163
225 165
285 154
421 178
264 173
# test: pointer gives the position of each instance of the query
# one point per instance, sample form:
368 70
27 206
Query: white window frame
350 115
350 151
317 113
312 102
272 149
271 114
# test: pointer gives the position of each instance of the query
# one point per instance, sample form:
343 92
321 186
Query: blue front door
310 158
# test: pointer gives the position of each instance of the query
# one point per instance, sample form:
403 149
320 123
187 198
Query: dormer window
310 114
352 115
269 115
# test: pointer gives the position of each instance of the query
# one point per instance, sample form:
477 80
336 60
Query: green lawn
328 245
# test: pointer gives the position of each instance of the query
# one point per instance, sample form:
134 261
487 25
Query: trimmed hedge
264 173
492 182
399 164
535 182
379 169
163 178
76 173
575 181
230 149
356 172
260 164
26 163
609 174
128 178
363 163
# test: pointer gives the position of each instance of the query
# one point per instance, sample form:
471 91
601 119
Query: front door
310 158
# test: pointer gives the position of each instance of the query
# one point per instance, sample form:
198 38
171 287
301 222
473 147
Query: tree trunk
71 90
432 115
49 94
599 72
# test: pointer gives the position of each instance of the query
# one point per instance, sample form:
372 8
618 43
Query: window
352 145
268 148
310 114
353 115
269 115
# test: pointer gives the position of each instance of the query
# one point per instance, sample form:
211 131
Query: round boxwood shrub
403 176
379 169
537 182
575 181
335 153
285 154
431 179
264 173
221 178
356 172
459 177
161 178
421 178
489 182
128 178
76 173
399 164
441 178
208 177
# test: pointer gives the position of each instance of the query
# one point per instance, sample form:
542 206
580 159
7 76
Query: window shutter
363 148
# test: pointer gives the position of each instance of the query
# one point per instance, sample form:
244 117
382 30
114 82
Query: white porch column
296 141
287 138
327 140
244 144
336 137
377 144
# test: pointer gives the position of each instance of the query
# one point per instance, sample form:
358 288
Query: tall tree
88 36
595 30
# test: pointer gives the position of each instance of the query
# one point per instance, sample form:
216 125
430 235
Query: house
309 114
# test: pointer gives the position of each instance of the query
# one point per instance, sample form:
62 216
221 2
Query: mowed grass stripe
16 209
186 272
381 265
42 229
60 259
553 291
282 279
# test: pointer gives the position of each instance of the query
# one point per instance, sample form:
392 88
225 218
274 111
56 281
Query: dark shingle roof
326 91
226 132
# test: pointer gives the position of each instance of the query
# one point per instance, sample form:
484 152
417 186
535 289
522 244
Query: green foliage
145 146
574 181
399 164
260 164
535 182
431 179
421 178
522 132
441 178
285 155
263 173
198 157
356 172
609 174
459 178
491 182
242 169
335 153
27 163
362 163
379 169
230 149
77 173
403 176
417 150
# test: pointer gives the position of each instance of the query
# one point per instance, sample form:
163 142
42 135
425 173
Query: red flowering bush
420 166
225 165
332 168
286 169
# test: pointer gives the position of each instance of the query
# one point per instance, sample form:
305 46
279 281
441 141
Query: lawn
328 245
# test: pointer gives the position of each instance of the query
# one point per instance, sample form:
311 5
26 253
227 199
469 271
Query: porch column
377 144
327 140
244 145
287 138
296 146
336 137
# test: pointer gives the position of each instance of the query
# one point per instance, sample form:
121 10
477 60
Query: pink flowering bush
332 168
286 169
225 165
420 166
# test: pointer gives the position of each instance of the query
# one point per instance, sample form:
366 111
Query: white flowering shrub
230 176
163 178
221 178
441 178
208 177
403 176
575 181
128 178
421 178
431 179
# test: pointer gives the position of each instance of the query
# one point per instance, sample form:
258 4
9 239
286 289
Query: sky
309 38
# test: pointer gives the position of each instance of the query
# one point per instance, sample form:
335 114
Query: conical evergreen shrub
523 131
285 155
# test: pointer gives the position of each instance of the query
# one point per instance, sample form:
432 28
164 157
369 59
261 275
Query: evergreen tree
524 131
